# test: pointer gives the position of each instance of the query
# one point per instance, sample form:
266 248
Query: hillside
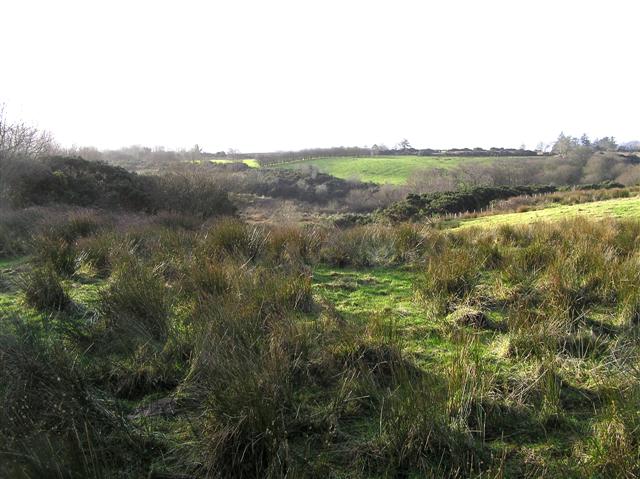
387 169
615 208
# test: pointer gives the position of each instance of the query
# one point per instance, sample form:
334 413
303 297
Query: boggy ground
229 350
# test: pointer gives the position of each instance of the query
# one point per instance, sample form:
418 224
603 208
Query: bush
77 182
416 207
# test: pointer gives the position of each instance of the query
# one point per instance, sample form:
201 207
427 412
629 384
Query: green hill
616 208
385 169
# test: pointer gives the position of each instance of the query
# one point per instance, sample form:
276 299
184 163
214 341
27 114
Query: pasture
614 208
250 162
395 170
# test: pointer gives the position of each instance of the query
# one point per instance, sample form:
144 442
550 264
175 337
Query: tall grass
136 302
43 289
522 361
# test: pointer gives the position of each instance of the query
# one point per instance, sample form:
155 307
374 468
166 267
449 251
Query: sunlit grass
616 208
250 162
385 169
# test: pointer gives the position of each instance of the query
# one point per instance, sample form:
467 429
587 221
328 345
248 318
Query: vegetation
428 205
77 182
628 208
396 170
147 332
286 351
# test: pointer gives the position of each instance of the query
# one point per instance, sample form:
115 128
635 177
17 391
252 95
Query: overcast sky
265 75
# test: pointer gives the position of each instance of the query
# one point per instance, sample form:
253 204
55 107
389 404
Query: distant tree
541 147
375 150
195 154
404 145
585 140
607 143
564 144
20 139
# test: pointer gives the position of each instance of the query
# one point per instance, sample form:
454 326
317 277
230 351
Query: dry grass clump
136 302
43 290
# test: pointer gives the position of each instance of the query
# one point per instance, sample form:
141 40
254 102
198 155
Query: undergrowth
207 350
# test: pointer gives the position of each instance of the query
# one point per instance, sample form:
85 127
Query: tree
607 143
232 153
195 153
564 144
404 145
20 139
584 140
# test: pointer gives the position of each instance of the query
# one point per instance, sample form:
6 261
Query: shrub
416 207
191 194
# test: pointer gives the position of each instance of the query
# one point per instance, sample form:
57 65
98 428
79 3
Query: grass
358 294
12 262
616 208
377 351
383 169
252 163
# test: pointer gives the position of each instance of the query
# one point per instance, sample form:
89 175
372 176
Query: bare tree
21 139
403 145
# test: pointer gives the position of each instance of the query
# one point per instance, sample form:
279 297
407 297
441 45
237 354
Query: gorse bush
431 204
74 181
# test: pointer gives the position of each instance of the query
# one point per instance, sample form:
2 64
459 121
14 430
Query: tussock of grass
137 302
374 351
43 290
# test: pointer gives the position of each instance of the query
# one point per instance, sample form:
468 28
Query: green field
616 208
252 163
384 169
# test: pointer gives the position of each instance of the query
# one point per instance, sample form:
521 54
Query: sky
258 75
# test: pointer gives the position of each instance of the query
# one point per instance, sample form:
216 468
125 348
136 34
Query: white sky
264 75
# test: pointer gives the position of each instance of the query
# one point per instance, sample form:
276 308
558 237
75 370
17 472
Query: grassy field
249 162
383 169
616 208
377 351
